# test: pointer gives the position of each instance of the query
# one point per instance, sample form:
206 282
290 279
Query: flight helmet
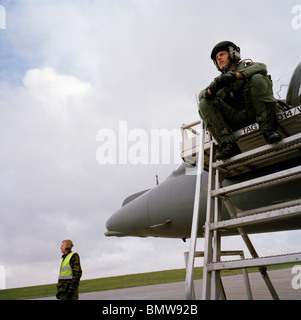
234 53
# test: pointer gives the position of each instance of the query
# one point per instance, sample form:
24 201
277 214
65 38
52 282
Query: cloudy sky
71 68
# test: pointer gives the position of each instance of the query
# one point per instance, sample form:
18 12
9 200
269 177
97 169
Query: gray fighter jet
166 210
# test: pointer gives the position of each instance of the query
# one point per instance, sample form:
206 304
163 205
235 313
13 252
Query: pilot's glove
222 81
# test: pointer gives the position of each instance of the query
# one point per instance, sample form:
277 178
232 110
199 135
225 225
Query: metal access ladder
256 154
239 253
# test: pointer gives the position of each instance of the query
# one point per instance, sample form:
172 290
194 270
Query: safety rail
249 138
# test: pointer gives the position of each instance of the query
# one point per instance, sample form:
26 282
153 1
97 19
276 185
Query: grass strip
119 282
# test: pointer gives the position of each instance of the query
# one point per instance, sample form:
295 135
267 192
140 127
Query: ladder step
292 142
269 216
254 262
261 182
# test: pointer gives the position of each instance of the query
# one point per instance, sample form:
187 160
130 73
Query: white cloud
47 84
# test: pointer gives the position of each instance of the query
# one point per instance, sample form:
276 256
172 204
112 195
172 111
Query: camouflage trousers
221 118
64 295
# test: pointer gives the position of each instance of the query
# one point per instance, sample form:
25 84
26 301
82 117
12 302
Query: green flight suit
240 104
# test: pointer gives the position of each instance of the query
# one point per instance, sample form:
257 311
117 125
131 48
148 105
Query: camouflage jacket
66 284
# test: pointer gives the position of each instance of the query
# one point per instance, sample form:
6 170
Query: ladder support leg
253 252
217 285
208 253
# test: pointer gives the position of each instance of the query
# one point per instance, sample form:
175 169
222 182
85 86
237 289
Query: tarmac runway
234 287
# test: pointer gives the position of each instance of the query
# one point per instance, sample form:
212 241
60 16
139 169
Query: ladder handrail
189 289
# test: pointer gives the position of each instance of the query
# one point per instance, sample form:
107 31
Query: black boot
271 136
229 150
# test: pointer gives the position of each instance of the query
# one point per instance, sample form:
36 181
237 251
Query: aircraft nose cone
131 219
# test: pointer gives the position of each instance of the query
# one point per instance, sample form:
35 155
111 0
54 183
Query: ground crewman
70 273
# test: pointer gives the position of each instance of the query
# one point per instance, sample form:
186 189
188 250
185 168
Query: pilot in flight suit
240 96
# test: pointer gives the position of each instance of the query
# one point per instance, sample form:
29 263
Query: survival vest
65 269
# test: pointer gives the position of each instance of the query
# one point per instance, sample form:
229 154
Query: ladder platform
256 153
255 262
258 218
261 157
